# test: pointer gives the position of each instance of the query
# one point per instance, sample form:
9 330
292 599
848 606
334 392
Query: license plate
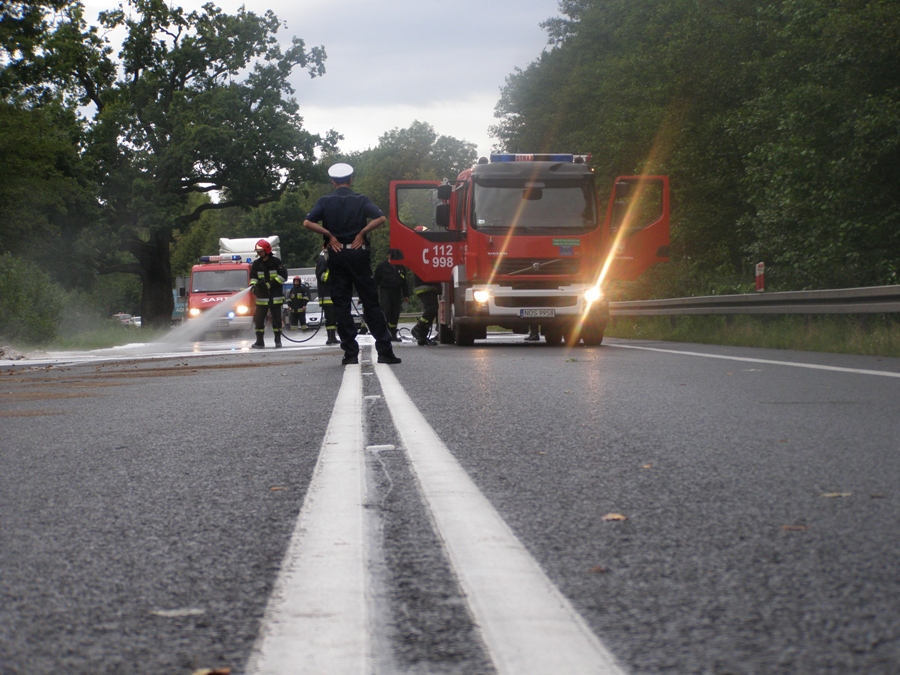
222 323
537 313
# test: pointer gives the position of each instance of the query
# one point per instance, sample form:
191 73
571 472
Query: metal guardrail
873 299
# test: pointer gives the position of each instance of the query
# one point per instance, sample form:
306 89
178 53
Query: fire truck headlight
194 311
242 309
481 297
593 294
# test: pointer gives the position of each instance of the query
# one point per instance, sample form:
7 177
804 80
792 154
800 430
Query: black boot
277 339
259 344
332 340
394 336
420 333
533 335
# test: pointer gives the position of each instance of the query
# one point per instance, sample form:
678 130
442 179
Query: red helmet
265 246
296 278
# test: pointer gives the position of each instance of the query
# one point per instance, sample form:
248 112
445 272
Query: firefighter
298 298
428 296
392 293
347 217
325 295
267 275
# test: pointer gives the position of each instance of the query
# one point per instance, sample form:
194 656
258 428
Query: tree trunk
157 302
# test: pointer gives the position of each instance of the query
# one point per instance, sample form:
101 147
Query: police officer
267 274
347 217
392 293
324 290
428 296
298 298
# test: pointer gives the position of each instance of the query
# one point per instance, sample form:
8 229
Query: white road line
814 366
317 620
527 624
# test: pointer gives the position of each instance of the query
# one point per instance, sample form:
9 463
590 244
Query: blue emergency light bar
557 157
220 258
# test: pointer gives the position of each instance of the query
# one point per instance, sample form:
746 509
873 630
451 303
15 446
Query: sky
391 62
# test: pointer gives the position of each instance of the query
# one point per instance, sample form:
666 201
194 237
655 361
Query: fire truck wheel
553 337
445 335
463 336
592 335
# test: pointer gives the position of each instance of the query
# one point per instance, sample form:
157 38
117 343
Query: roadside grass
103 335
872 335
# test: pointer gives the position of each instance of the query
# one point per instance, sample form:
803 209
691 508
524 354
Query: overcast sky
391 62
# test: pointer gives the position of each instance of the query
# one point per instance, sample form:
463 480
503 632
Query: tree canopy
778 122
194 103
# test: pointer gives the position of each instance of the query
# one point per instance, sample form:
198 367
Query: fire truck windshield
219 280
534 207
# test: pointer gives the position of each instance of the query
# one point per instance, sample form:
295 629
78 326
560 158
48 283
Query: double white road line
318 618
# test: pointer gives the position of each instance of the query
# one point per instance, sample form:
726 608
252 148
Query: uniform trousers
391 304
348 269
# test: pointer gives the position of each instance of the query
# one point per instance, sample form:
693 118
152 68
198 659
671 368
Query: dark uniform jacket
324 289
298 296
343 213
391 276
266 279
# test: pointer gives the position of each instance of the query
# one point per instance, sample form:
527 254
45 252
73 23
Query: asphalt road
148 499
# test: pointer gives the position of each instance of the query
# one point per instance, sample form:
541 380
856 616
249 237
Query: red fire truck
520 240
214 281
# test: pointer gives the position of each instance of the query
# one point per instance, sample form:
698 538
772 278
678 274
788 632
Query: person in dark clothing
428 296
298 298
346 218
267 275
325 302
392 293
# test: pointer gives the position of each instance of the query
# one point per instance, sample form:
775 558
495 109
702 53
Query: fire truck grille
565 301
545 267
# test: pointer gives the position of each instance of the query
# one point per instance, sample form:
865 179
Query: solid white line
814 366
317 618
527 624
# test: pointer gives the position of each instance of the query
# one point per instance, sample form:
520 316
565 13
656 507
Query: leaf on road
794 528
647 466
277 487
598 569
175 613
614 516
834 495
572 360
213 671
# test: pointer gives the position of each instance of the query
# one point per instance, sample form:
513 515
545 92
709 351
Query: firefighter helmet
296 280
265 246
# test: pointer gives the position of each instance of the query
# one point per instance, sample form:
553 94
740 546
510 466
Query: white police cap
339 171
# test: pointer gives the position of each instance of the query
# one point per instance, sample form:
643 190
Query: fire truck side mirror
442 215
622 190
395 254
444 191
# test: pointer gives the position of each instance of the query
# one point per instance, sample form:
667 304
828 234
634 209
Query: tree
197 103
776 122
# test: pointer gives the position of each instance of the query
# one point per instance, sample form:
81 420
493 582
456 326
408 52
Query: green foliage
873 335
30 304
778 123
197 103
